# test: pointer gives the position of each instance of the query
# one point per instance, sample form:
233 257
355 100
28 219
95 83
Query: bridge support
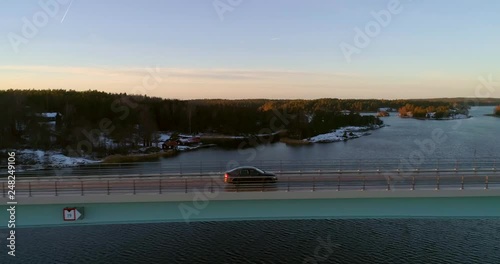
147 208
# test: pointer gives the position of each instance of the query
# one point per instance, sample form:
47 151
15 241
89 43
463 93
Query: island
440 112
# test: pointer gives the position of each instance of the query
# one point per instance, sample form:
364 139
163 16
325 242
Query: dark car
248 175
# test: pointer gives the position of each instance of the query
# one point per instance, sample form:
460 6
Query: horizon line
256 98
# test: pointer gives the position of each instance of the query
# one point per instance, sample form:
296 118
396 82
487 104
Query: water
351 241
304 241
462 139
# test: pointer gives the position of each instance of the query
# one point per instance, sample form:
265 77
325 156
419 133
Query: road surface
287 181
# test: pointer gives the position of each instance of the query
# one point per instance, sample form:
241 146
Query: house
171 144
48 116
406 114
51 121
430 115
387 109
382 114
189 140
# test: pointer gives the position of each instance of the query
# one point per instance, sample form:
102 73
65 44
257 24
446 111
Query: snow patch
343 133
459 116
164 136
39 159
48 114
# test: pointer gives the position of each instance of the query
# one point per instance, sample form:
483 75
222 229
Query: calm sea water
463 139
304 241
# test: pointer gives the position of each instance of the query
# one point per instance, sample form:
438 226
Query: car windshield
259 170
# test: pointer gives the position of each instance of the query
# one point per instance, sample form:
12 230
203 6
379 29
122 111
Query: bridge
129 193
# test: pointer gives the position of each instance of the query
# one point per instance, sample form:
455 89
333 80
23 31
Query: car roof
245 167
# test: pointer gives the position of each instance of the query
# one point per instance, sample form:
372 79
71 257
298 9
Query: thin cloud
62 20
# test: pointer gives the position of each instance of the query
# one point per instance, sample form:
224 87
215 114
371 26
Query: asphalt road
277 166
291 181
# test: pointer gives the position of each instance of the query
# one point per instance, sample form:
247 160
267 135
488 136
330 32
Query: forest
132 120
439 112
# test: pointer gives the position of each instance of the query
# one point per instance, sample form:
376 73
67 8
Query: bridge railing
287 181
395 174
387 166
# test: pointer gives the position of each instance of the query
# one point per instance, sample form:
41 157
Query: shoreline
440 119
138 158
36 159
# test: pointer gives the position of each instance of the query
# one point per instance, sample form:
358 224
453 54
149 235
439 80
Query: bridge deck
316 181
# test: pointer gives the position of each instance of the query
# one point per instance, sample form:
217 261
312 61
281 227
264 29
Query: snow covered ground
109 143
39 159
343 133
459 116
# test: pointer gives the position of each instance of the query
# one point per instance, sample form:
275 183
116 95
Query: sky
192 49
